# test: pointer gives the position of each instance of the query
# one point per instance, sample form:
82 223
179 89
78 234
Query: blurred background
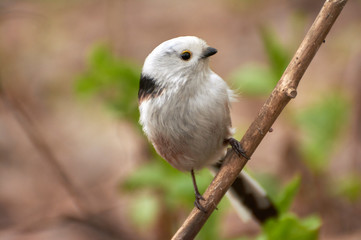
74 163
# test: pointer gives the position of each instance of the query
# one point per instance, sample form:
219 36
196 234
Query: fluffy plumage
184 111
184 105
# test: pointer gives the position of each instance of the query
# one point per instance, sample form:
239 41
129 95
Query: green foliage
178 190
174 188
143 210
285 198
256 79
321 124
253 80
278 56
282 196
112 80
288 226
269 182
348 187
161 177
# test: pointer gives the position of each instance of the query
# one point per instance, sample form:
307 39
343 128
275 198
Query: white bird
185 107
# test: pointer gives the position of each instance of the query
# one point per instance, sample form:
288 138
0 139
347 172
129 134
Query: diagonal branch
86 214
285 90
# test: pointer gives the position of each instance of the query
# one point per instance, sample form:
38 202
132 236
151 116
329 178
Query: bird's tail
249 198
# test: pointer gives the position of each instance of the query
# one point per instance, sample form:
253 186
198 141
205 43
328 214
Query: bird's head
177 59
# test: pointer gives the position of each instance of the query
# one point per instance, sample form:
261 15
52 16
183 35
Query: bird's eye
186 55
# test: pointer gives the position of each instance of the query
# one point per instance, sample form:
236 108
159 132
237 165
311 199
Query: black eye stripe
186 55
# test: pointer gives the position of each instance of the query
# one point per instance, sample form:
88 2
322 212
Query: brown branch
86 214
285 90
28 125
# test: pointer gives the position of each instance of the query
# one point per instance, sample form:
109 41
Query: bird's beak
209 51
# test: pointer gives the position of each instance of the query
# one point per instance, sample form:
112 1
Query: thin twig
285 90
31 130
85 214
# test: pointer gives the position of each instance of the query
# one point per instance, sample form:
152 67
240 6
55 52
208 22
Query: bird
185 113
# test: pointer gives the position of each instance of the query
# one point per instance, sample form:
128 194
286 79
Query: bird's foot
237 147
199 196
197 203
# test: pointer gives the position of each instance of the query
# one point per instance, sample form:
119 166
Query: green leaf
253 80
158 175
278 56
321 125
269 182
257 80
176 187
282 196
144 210
112 80
285 198
348 187
288 226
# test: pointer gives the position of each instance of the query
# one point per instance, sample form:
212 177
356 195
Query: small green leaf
257 80
282 196
288 226
321 124
348 187
112 80
277 54
144 210
270 183
253 80
159 175
285 198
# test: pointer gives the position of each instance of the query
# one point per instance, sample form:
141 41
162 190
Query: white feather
192 112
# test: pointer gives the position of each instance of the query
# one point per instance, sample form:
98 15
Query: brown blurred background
62 159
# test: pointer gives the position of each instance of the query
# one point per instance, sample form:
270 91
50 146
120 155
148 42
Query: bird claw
199 196
237 147
197 203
